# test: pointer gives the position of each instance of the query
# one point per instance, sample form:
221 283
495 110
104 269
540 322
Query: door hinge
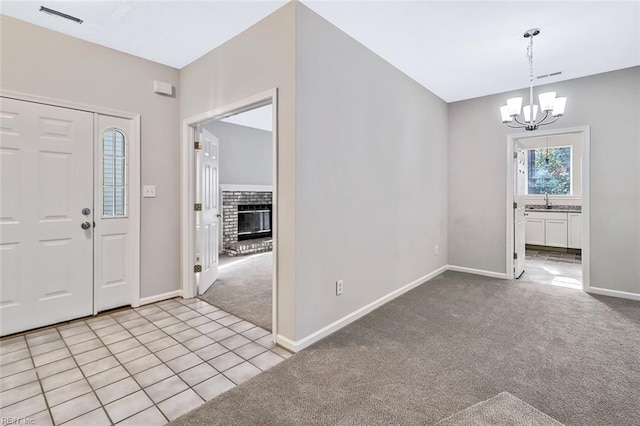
197 268
515 154
515 205
515 256
197 145
197 207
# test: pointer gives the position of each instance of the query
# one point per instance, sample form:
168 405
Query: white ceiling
458 50
259 118
172 32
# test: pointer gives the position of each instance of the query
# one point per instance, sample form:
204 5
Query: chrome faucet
547 204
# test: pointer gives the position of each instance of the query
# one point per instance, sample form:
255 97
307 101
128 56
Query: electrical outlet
339 287
436 250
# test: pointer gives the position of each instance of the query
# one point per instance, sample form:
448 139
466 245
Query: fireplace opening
254 221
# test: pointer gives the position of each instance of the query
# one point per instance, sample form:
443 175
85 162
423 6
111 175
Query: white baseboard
348 319
160 297
286 343
614 293
482 272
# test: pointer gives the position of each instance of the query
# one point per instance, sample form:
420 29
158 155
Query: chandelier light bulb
558 107
527 113
547 100
515 105
506 116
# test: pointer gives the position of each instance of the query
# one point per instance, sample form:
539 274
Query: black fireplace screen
254 221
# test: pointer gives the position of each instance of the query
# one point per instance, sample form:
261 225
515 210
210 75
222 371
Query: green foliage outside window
549 171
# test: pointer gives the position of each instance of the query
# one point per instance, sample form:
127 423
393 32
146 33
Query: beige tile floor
139 366
553 268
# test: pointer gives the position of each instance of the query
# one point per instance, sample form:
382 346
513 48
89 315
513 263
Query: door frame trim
585 131
187 220
134 176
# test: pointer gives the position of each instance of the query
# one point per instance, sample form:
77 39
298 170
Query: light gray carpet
244 289
503 409
446 345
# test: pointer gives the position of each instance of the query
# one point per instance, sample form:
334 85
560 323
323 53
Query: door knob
86 211
85 225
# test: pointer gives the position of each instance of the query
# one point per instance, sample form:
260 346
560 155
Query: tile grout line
46 403
85 378
142 388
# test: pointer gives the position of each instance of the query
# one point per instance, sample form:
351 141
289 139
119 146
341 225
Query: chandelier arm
515 127
550 122
519 122
546 115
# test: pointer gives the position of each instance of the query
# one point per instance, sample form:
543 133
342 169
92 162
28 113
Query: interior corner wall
245 154
610 104
259 59
371 176
45 63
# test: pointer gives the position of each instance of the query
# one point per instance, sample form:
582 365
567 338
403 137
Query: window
549 171
114 174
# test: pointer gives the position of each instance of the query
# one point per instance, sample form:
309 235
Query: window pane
549 171
107 175
108 143
119 171
107 200
119 144
114 173
119 201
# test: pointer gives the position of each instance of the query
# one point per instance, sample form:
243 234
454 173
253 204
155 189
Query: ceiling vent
552 74
60 14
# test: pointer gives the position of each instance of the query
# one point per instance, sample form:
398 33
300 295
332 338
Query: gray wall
371 176
246 154
610 104
40 62
258 59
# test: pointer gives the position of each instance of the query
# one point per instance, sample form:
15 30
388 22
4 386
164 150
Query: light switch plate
149 191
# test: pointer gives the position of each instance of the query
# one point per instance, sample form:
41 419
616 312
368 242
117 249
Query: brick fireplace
246 221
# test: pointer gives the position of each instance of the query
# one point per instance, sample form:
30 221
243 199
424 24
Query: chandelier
551 106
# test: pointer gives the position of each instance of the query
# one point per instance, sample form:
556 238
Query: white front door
113 268
520 186
207 217
46 236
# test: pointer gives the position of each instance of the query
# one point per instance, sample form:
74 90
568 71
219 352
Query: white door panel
113 247
207 191
46 159
520 186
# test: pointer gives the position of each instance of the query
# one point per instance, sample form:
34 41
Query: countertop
554 209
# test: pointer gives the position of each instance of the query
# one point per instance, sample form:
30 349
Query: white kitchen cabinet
575 230
553 229
555 234
534 232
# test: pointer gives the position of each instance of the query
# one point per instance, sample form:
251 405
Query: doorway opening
548 208
233 221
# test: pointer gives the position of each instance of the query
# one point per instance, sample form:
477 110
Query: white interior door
519 225
46 236
113 247
207 217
